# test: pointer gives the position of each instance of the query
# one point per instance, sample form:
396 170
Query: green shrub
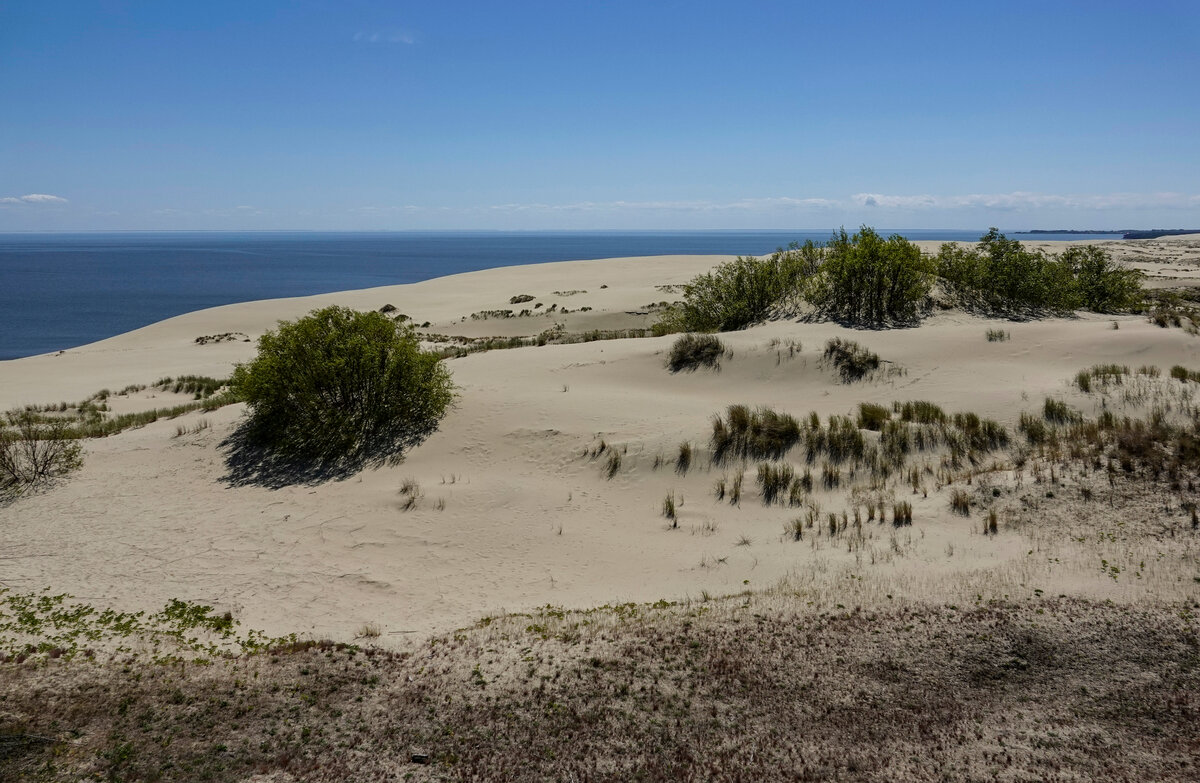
740 292
1007 275
338 383
692 351
1101 284
868 279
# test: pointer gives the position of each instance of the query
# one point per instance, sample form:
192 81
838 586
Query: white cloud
746 204
386 36
33 198
1023 200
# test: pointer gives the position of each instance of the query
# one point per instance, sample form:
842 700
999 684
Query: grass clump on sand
338 382
872 416
998 335
1103 376
692 351
757 434
1181 373
853 362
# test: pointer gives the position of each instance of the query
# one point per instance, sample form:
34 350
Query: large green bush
1007 276
339 383
868 279
1101 284
740 292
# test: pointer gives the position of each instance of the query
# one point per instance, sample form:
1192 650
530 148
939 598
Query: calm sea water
63 290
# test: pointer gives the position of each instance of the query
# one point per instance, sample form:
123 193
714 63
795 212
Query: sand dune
514 511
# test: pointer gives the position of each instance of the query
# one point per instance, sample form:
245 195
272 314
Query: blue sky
595 115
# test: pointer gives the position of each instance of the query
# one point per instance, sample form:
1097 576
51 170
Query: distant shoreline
1126 233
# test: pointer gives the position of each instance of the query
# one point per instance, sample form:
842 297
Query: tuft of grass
872 416
853 362
1181 373
960 502
410 492
613 464
1058 412
774 481
683 463
747 434
693 351
997 336
919 412
902 514
668 509
735 490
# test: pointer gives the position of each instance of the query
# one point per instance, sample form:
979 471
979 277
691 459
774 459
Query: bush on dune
866 279
1007 276
337 383
869 280
740 292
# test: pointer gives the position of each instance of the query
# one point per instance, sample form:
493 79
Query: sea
59 291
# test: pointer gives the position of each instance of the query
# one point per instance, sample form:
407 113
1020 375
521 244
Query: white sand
527 519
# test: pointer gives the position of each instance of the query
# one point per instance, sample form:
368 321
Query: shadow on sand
251 463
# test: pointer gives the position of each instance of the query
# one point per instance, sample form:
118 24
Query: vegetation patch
752 434
748 691
1006 276
692 351
338 383
853 362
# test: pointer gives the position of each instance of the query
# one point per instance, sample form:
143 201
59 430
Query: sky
605 114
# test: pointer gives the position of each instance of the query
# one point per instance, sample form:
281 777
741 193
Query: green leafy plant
868 279
339 382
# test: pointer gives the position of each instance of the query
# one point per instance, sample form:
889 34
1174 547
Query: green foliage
692 351
868 279
1101 284
1008 275
740 292
338 383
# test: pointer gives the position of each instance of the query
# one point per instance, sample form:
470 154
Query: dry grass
720 691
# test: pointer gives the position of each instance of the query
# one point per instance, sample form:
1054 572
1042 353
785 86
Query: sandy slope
528 516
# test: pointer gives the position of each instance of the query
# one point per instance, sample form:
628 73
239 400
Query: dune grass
693 351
